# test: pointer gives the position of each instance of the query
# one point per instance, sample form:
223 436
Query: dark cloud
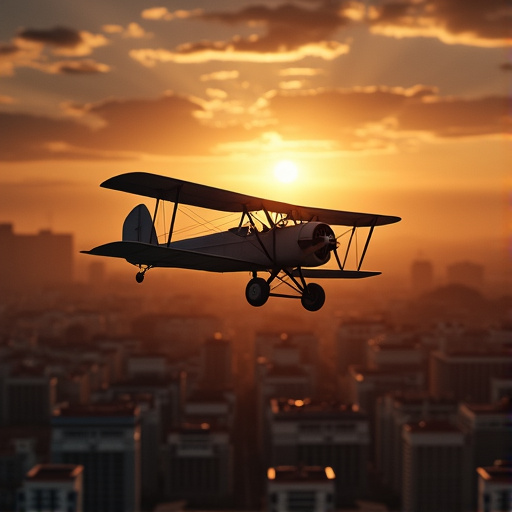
290 33
57 36
484 23
80 67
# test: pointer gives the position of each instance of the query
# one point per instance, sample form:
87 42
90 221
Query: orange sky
395 107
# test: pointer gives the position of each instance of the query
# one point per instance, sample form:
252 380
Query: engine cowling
316 240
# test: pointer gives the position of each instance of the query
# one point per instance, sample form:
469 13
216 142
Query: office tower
322 434
394 352
487 427
351 339
300 489
29 396
467 375
213 406
197 462
216 371
466 273
105 440
495 487
52 487
393 411
35 261
365 385
422 276
20 449
436 472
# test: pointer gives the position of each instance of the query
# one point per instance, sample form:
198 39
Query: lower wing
139 253
334 274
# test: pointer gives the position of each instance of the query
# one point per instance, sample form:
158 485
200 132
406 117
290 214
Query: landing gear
313 297
139 276
257 291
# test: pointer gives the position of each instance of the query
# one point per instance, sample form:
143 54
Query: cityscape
177 395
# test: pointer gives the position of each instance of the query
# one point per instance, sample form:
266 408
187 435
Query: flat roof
54 472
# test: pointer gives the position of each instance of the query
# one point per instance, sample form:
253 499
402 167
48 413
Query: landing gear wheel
139 277
257 292
313 297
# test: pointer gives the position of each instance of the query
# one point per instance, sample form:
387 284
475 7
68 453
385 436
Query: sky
398 107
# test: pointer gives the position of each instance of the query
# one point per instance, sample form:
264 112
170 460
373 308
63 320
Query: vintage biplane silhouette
289 243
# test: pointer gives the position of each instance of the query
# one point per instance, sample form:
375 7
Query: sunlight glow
286 171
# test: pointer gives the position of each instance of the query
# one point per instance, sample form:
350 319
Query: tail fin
138 226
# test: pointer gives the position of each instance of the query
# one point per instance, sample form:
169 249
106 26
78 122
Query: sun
286 171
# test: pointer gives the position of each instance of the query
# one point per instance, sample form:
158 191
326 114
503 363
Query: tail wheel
257 292
313 297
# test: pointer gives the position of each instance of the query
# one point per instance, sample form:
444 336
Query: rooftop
54 472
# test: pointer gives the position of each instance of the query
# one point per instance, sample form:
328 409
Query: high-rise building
34 261
326 434
487 426
197 462
495 487
29 396
467 375
422 276
105 440
300 489
436 468
351 339
56 487
216 364
393 411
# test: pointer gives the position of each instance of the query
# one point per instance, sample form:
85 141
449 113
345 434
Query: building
393 411
34 261
197 462
52 487
29 396
436 471
495 487
467 376
216 365
466 273
488 429
325 434
351 339
422 276
300 489
105 440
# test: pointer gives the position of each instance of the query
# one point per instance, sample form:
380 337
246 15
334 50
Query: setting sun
286 171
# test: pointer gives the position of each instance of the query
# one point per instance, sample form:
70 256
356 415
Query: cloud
371 118
125 128
27 50
378 116
471 22
220 75
77 67
291 33
162 13
63 41
132 31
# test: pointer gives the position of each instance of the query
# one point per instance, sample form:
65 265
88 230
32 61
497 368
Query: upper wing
193 194
140 253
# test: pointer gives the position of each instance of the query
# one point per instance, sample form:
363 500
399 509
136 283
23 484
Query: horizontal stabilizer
139 253
334 274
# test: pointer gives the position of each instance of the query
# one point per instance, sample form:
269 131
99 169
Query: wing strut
251 221
367 242
174 211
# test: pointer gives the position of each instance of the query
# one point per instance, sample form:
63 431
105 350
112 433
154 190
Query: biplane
285 241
